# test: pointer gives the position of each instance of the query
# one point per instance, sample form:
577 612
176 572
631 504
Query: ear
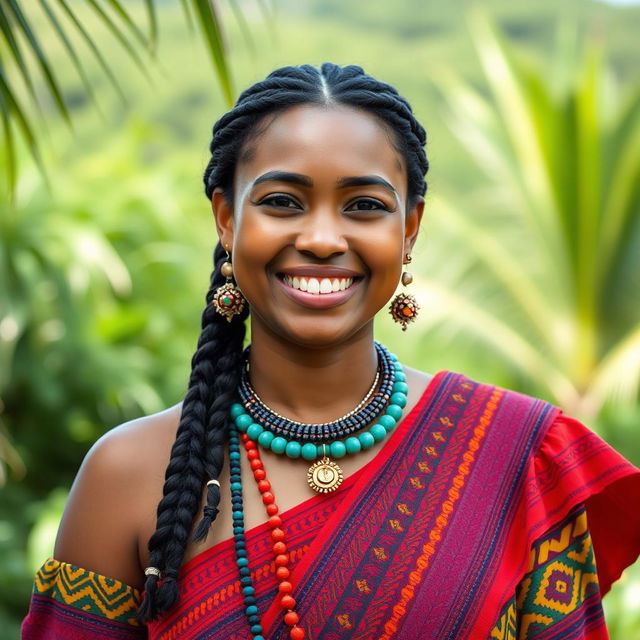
223 214
412 226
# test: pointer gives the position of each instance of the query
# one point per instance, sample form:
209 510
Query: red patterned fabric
451 532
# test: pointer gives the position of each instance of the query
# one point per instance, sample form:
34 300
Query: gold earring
228 299
404 307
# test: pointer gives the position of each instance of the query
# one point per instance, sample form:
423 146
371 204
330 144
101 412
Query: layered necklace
382 406
256 425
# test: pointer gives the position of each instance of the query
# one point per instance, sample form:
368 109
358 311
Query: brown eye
281 201
367 204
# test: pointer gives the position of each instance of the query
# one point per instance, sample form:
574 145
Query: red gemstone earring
228 299
404 307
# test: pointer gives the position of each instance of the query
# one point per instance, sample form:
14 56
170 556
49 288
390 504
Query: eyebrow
305 181
284 176
364 181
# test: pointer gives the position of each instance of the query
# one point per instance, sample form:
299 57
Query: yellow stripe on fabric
87 591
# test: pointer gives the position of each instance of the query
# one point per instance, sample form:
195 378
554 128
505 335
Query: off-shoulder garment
486 514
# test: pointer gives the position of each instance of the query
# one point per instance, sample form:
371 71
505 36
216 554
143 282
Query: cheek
256 245
381 250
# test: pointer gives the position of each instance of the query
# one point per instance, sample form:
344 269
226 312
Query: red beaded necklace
281 557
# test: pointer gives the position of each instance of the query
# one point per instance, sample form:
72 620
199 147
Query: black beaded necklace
373 404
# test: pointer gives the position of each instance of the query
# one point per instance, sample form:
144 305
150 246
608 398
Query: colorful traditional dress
487 514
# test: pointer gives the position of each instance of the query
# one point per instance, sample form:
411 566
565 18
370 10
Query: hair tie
152 571
214 482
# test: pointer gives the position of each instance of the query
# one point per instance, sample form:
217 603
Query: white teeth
318 287
313 286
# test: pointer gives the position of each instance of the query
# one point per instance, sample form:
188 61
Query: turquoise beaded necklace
325 476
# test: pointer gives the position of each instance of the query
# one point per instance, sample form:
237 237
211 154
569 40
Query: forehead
323 141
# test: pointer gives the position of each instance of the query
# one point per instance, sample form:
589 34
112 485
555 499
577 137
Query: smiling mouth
317 286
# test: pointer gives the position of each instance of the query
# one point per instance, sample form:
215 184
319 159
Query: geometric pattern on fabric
448 525
380 554
369 572
559 596
211 603
87 591
507 626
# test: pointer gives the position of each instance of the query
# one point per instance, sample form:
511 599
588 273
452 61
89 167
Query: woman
389 503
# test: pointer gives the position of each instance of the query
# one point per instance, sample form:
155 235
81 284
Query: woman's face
320 203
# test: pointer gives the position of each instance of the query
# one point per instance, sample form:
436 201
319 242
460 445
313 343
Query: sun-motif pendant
324 476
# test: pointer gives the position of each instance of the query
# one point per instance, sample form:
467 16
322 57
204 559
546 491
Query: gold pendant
324 476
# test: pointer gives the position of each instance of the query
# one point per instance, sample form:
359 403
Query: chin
318 333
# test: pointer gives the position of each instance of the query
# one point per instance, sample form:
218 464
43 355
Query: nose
321 235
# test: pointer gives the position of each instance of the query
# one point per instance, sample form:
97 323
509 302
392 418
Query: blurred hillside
106 273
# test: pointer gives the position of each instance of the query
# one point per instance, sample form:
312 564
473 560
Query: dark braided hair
198 452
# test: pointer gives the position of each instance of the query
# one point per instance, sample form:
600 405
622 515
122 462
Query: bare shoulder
114 495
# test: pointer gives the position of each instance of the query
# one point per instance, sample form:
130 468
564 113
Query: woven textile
71 603
559 597
480 517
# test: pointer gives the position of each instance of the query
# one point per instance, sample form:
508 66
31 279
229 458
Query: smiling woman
323 195
408 505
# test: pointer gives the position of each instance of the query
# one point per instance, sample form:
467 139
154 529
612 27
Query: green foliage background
104 276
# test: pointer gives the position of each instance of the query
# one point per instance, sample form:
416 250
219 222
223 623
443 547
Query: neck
312 384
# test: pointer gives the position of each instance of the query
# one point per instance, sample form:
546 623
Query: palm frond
478 320
210 26
12 110
70 49
120 37
45 67
564 165
84 34
118 19
153 25
16 54
503 264
10 151
618 375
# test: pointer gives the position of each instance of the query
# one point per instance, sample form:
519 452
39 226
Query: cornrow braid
198 452
329 85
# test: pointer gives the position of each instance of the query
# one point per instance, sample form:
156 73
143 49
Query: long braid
213 365
198 452
224 394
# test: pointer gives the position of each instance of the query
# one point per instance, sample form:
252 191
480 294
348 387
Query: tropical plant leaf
153 25
618 375
7 33
70 50
504 266
210 25
571 164
49 76
120 37
126 18
131 37
505 339
10 152
12 107
243 25
94 49
187 15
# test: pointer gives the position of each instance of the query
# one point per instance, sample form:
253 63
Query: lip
319 300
